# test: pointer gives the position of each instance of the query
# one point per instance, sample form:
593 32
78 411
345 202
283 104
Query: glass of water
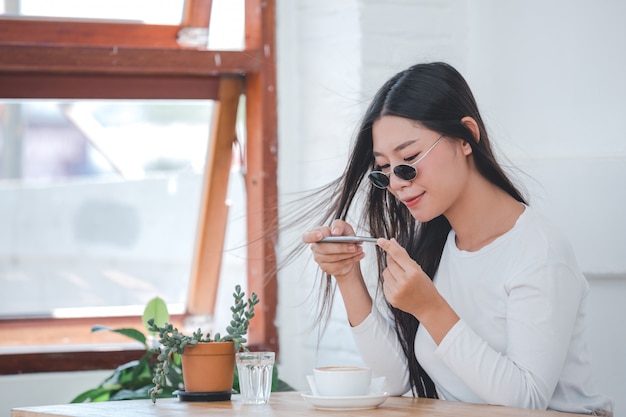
255 376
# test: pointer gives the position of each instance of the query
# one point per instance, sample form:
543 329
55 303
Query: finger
339 259
394 268
388 277
341 228
390 286
314 235
341 265
333 251
396 253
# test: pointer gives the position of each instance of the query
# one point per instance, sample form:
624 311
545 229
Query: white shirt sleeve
541 311
380 349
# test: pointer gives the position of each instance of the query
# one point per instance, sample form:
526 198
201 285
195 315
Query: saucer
363 402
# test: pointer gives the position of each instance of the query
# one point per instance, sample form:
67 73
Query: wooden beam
67 360
261 164
214 212
26 85
21 31
68 344
197 13
81 59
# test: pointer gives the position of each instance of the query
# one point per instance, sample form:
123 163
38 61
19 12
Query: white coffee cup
342 381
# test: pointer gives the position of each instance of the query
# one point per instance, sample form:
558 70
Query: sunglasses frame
378 178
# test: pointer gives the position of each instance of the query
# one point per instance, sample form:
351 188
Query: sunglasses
405 172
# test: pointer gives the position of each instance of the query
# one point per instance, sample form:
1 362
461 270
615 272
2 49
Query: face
442 174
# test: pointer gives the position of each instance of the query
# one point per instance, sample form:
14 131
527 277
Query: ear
472 126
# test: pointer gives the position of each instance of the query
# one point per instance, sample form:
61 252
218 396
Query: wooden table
282 404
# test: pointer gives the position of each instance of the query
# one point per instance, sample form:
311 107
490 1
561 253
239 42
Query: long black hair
437 96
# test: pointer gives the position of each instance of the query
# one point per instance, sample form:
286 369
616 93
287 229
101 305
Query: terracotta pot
209 367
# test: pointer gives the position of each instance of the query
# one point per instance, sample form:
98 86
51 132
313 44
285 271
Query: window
87 79
100 205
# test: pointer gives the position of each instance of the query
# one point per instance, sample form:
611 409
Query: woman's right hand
336 259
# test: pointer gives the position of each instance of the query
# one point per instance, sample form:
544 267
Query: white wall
548 79
29 390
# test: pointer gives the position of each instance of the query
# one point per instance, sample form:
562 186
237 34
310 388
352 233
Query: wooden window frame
70 59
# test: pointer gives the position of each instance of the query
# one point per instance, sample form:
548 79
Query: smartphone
347 239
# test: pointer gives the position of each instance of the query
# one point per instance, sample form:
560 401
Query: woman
486 299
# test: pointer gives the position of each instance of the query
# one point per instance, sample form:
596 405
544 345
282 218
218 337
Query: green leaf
132 333
156 309
126 394
99 393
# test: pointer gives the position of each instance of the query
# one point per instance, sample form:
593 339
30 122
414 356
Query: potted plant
134 380
208 362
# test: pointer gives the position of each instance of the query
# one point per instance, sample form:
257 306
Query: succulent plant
173 342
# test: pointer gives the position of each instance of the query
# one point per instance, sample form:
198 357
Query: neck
482 214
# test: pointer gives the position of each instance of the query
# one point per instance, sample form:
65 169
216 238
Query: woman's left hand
407 287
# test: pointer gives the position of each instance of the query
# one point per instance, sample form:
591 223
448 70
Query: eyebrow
400 147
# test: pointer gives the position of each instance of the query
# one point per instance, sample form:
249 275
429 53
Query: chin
423 216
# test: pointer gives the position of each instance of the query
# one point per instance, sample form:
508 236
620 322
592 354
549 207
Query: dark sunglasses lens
379 179
405 172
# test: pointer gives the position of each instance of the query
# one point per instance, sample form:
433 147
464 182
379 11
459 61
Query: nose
398 183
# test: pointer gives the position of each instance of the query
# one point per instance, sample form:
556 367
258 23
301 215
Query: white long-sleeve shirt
520 338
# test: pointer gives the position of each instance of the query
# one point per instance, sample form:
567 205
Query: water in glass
255 376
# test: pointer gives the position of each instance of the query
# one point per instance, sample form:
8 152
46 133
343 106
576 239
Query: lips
413 201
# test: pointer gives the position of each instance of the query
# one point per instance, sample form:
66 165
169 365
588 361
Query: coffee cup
342 381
